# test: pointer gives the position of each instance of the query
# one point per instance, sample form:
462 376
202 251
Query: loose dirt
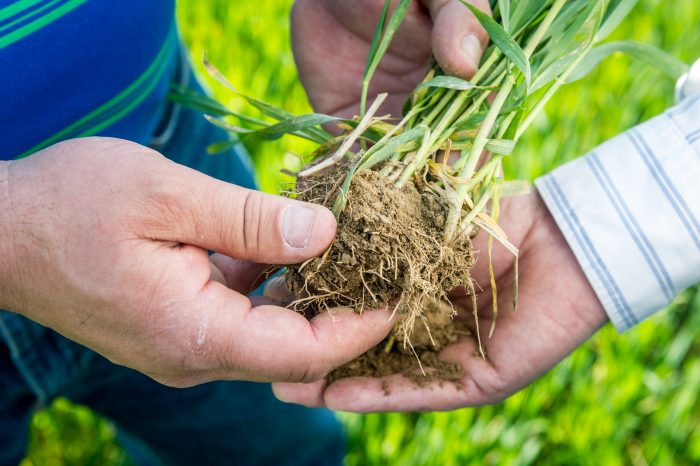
389 252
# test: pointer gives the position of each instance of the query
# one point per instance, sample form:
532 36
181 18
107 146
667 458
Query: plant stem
418 161
474 156
453 217
544 26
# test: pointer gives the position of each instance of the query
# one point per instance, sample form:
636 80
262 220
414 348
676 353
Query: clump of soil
388 251
389 358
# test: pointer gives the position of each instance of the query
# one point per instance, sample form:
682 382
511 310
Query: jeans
238 423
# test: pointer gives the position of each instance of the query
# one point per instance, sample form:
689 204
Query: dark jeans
237 423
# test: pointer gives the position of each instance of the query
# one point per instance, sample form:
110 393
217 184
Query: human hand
106 241
331 40
557 311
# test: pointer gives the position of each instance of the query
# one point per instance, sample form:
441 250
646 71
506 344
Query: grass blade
221 146
653 56
226 126
191 99
616 12
294 124
449 82
524 11
349 141
503 41
380 46
372 158
500 146
504 7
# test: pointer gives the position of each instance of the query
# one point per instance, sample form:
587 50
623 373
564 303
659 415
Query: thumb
458 38
241 223
270 343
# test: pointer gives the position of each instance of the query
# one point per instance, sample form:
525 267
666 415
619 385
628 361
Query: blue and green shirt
72 68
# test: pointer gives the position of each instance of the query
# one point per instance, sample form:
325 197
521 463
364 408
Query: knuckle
158 206
252 219
170 200
299 375
307 373
495 389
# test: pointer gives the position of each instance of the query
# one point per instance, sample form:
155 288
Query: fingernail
297 223
471 46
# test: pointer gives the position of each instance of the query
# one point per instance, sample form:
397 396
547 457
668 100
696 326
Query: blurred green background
620 399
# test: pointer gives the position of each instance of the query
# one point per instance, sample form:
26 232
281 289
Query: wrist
9 260
590 313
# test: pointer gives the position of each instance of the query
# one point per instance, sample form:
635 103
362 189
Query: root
388 252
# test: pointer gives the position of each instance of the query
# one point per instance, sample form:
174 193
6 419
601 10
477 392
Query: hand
106 242
557 311
331 40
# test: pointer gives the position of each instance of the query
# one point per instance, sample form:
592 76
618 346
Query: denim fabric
236 423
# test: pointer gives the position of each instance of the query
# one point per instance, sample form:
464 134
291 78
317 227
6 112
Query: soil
389 251
390 358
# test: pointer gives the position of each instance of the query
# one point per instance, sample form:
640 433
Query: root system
389 251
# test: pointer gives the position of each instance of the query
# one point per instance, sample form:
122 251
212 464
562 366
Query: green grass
620 399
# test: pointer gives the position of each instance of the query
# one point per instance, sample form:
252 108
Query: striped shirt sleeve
630 210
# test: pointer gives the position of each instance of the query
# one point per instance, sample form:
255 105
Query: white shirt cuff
630 210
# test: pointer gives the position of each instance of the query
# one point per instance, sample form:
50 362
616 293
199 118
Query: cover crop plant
411 191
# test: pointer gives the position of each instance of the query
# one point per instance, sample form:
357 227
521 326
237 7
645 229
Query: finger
192 208
239 275
458 38
390 394
306 394
270 343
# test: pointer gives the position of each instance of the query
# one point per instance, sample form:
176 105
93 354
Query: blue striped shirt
71 68
630 210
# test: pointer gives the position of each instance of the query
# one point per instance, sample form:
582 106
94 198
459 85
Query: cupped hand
557 311
106 242
331 41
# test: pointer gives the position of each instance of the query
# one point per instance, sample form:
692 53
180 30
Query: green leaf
380 46
524 13
314 134
220 146
500 146
192 99
218 76
512 130
318 135
227 126
653 56
294 124
553 71
502 40
568 26
371 158
449 82
504 7
377 35
616 12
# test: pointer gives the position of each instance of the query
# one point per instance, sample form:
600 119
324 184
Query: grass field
620 399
